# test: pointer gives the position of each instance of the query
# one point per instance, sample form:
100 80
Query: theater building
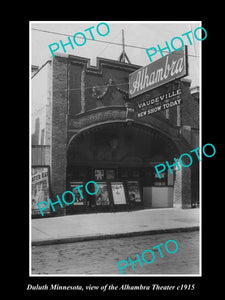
86 128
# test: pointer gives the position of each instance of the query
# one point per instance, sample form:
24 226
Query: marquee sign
162 71
159 103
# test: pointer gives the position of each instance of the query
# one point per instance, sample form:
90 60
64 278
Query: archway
120 157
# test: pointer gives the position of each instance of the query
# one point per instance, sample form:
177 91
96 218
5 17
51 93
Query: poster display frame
76 192
115 199
35 211
137 182
102 202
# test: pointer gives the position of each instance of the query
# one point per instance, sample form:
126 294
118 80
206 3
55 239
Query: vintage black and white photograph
115 148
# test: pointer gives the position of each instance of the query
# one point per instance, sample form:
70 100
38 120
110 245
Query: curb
111 236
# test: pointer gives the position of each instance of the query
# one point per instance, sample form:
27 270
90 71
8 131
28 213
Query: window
160 181
42 136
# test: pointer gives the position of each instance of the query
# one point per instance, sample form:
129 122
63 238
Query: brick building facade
85 127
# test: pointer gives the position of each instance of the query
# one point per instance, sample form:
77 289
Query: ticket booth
158 193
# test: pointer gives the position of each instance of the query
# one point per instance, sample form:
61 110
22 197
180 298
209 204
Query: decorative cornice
97 116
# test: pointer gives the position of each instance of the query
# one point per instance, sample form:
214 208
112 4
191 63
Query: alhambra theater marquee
111 123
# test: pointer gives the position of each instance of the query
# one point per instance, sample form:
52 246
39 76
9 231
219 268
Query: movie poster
99 174
134 191
40 188
102 196
78 197
118 193
110 174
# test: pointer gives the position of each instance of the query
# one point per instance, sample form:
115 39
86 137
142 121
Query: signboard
40 188
159 103
162 71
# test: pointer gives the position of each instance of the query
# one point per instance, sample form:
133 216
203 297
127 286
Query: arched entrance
120 158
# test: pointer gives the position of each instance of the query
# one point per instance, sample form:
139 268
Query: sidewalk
85 227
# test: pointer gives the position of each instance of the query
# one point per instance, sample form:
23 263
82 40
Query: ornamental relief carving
113 114
97 117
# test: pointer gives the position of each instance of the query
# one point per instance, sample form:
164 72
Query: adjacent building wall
41 115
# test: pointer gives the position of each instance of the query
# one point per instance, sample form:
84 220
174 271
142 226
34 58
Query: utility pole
123 56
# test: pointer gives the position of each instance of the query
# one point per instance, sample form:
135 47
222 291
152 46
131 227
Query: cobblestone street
101 256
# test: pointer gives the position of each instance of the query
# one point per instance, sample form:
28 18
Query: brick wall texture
59 127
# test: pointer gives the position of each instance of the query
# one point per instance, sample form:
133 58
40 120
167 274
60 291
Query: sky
139 34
